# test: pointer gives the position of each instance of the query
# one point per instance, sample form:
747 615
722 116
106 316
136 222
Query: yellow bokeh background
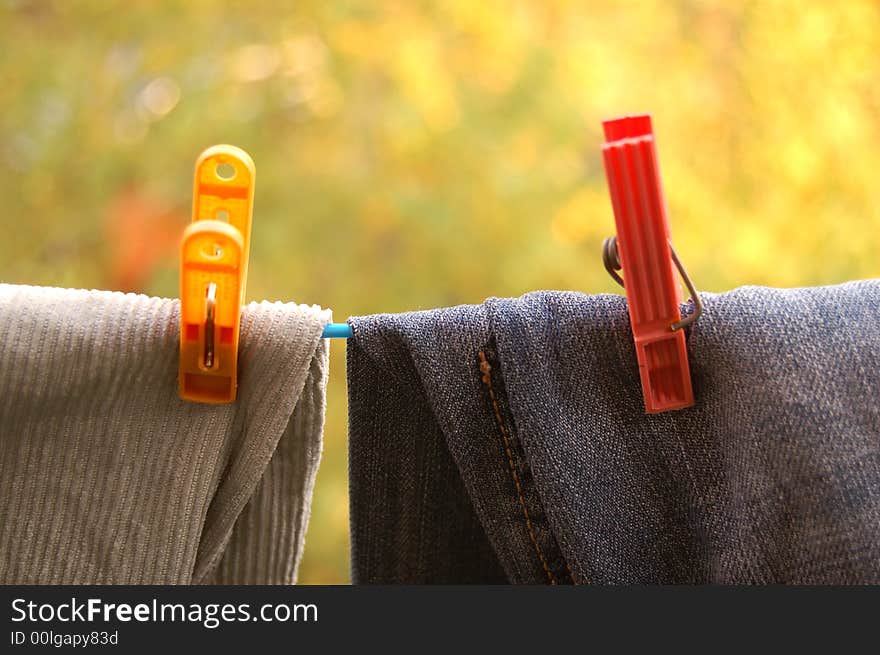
413 155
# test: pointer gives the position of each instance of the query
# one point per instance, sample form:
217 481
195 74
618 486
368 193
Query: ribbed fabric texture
107 477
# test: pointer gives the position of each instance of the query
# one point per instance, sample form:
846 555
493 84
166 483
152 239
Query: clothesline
337 331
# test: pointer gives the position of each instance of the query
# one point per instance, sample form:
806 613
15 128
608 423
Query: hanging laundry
107 476
509 442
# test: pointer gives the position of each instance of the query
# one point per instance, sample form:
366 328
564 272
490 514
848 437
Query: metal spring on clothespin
611 259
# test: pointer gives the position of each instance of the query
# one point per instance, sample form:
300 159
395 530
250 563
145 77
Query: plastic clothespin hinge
213 274
644 251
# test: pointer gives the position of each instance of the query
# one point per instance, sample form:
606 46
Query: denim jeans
507 442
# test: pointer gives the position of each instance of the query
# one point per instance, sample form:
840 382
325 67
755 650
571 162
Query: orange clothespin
213 274
642 249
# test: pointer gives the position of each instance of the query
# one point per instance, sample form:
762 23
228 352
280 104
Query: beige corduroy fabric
107 477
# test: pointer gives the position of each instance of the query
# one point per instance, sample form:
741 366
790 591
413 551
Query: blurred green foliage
417 154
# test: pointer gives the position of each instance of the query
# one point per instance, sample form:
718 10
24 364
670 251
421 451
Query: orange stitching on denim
486 369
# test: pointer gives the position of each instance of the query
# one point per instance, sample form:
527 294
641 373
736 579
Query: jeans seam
485 370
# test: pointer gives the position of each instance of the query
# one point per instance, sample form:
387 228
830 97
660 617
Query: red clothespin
642 249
